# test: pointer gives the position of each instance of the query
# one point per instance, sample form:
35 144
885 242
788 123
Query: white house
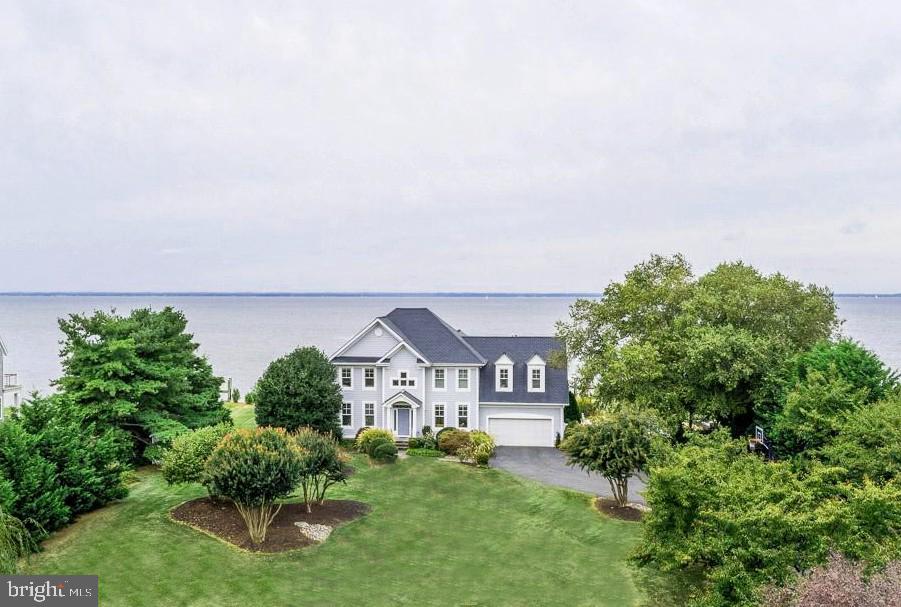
411 369
10 389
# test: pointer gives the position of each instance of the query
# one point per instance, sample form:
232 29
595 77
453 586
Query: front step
402 443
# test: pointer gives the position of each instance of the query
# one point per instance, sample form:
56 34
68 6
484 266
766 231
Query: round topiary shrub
254 469
453 440
384 452
369 435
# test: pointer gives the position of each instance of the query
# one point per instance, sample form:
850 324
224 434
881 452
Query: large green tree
693 348
140 372
299 390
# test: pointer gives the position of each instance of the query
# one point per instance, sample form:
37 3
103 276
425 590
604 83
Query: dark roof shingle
520 350
431 336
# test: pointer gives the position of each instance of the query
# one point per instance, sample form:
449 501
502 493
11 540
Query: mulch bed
610 508
221 518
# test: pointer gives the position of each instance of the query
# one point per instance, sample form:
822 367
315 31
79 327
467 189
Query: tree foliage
808 398
88 458
745 522
299 390
691 347
868 443
139 372
615 445
254 469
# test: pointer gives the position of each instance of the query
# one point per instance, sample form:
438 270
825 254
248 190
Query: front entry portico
401 415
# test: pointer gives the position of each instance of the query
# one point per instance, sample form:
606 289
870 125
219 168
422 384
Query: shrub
453 440
369 435
360 431
185 460
425 452
428 439
384 452
414 443
323 465
442 432
478 450
254 468
236 396
299 390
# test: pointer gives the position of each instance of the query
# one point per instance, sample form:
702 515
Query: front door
402 422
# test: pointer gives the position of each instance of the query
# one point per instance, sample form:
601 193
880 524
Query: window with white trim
439 415
347 377
503 379
537 379
439 379
462 379
403 380
462 415
347 414
369 378
369 414
536 374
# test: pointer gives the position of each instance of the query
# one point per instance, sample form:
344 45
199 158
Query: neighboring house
411 369
10 389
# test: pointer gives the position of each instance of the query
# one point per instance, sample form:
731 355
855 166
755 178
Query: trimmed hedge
425 452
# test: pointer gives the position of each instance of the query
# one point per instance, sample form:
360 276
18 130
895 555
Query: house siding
372 344
451 396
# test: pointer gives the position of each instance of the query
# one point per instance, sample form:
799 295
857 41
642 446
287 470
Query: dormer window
536 373
503 381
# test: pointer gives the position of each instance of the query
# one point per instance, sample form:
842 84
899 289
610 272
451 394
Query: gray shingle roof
356 359
431 336
520 350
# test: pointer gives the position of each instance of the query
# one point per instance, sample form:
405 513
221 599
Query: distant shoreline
360 294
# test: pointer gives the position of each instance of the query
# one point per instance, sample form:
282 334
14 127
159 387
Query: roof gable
433 338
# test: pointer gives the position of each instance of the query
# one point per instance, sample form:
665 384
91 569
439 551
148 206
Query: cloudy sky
417 146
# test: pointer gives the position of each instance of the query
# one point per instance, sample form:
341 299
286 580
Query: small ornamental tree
614 445
299 390
254 469
322 465
185 460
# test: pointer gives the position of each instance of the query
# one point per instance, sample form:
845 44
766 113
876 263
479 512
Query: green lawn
439 534
242 414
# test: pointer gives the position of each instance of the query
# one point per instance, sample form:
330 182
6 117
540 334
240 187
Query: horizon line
340 294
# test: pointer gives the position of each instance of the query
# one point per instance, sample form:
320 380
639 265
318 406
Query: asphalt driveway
548 465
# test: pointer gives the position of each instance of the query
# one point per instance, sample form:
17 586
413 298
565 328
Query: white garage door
521 432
